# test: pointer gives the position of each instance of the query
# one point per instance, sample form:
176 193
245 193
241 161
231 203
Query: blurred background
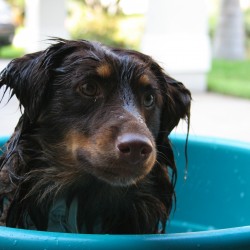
203 43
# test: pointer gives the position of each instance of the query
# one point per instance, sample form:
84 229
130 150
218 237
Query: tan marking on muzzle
75 140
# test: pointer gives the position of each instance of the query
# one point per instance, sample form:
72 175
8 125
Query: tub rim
229 238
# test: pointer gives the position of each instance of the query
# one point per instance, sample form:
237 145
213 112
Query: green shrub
95 22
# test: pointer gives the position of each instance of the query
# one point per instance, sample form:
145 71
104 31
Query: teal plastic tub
212 209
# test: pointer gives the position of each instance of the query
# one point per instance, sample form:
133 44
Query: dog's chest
63 218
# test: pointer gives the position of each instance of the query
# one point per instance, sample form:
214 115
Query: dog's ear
177 100
176 105
27 80
28 77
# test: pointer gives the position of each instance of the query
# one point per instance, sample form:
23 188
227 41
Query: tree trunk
229 40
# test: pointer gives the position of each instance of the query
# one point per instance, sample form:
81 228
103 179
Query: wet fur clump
90 153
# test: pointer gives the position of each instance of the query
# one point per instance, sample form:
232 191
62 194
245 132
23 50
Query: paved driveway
220 116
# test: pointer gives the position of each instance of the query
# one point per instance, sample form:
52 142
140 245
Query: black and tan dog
90 153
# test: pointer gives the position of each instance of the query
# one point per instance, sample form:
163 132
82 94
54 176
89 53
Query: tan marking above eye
144 79
104 70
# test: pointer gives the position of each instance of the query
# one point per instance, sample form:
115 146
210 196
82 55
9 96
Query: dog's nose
134 148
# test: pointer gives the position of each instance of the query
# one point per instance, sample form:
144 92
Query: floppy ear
28 77
176 105
177 100
23 77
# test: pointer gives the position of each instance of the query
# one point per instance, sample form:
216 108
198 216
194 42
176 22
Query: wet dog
90 153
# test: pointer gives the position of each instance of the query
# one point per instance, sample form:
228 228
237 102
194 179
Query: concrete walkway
219 116
211 115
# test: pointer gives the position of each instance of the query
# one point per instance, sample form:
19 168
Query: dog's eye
89 89
149 100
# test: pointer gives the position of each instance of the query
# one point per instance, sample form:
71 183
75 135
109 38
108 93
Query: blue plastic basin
212 210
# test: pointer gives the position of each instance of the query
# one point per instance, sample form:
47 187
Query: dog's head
104 112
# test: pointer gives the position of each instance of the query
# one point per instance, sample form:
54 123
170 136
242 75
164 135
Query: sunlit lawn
10 51
230 77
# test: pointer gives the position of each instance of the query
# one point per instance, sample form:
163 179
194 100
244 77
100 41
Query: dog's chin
118 177
118 180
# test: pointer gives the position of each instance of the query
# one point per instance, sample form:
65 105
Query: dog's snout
134 148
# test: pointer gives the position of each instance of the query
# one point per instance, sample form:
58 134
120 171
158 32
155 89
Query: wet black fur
50 107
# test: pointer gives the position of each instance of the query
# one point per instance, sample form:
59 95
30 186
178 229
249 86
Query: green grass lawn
230 78
9 52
